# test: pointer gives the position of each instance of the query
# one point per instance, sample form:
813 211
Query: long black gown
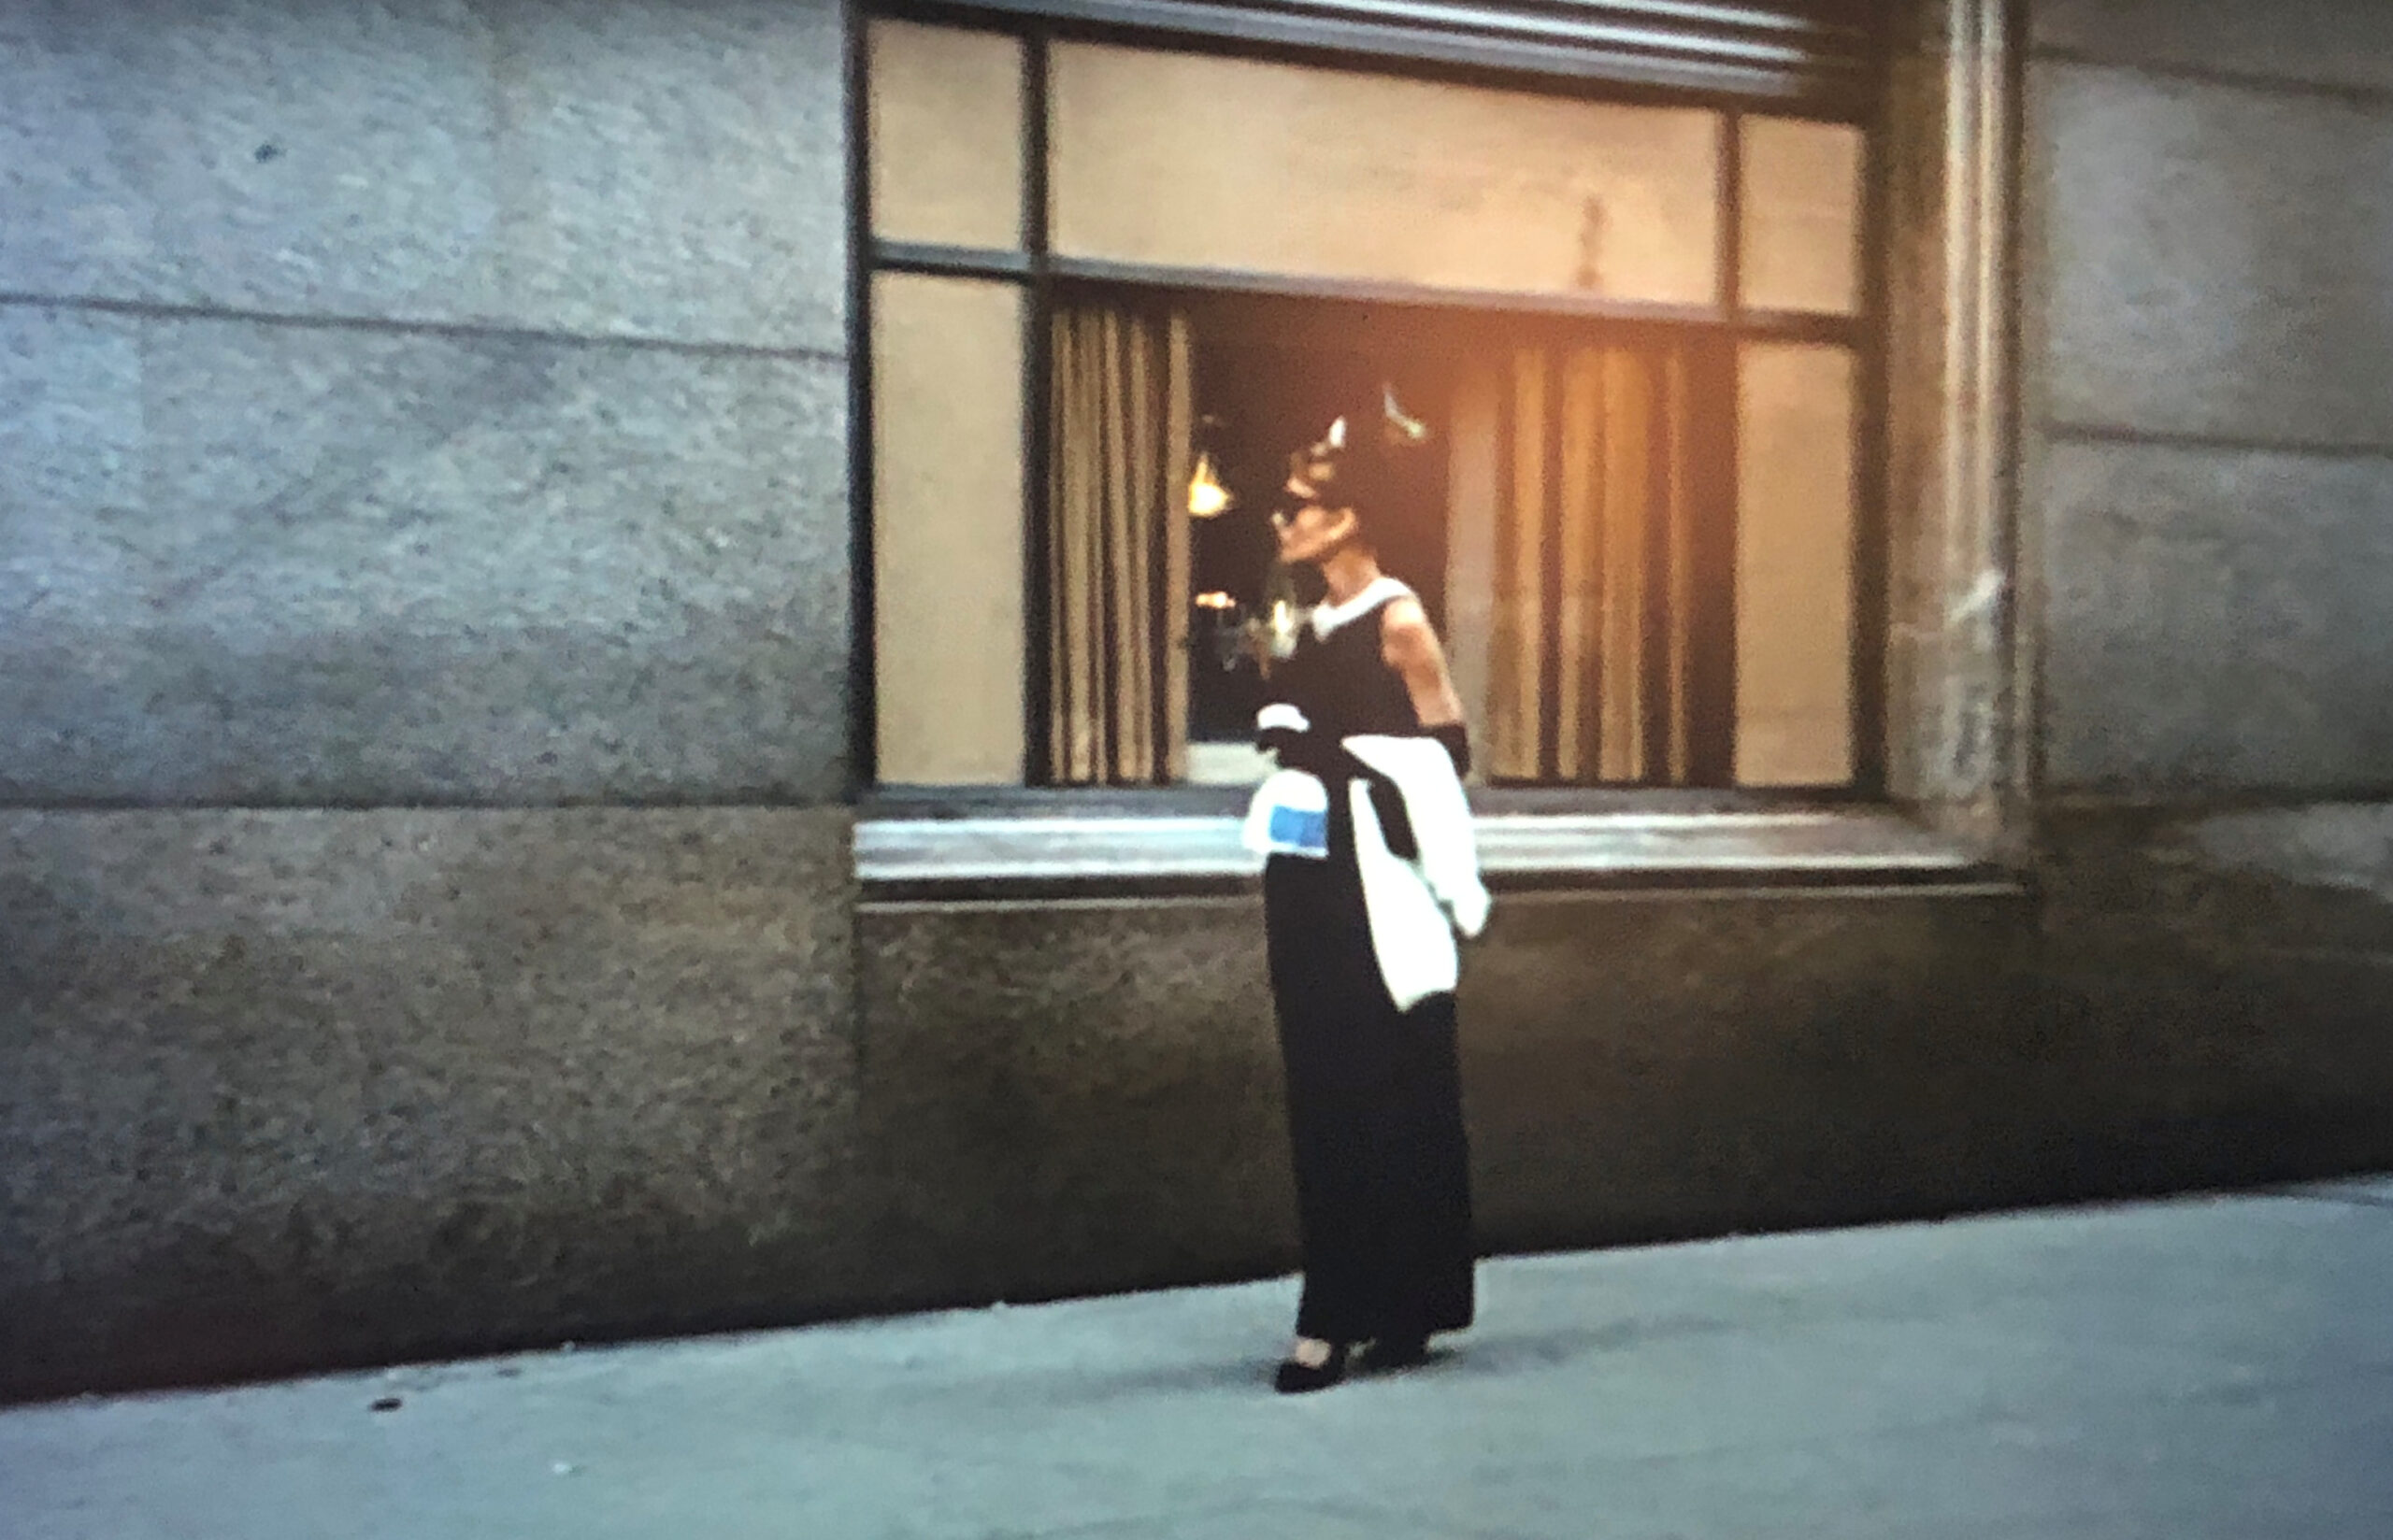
1374 1094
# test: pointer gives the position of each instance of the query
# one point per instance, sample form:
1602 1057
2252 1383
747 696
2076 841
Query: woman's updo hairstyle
1358 463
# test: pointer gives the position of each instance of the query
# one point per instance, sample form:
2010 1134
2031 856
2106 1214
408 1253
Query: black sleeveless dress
1375 1121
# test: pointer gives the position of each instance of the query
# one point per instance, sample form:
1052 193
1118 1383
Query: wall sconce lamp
1206 497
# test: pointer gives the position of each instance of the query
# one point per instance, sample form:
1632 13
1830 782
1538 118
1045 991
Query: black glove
1455 738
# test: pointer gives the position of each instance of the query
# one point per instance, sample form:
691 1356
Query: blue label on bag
1293 829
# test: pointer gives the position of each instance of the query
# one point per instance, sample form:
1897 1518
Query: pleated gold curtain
1117 544
1591 647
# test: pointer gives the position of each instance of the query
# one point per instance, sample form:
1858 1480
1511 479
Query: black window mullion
1507 492
1656 616
1873 546
1038 420
1552 666
1591 682
1732 216
863 711
1711 748
1716 633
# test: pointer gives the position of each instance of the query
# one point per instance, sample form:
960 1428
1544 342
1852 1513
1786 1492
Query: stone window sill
1033 852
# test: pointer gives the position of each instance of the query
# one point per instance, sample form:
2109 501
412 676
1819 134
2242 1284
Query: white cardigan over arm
1415 905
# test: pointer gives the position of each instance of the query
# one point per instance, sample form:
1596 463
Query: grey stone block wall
286 1089
1072 1097
2218 258
2210 191
420 404
2225 617
655 169
269 564
1067 1099
1651 1065
2325 44
2208 413
2220 978
1089 1097
427 402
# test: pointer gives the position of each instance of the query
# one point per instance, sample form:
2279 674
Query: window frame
1969 45
1038 272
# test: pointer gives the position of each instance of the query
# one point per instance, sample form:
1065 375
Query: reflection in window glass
1802 224
945 135
947 529
1794 517
1550 526
1195 161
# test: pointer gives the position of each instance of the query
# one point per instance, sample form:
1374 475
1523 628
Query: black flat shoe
1397 1353
1295 1379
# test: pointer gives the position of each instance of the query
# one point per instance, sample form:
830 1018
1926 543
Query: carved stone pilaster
1955 719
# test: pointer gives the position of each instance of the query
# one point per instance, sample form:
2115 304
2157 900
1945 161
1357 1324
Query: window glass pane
1802 224
1794 565
1186 160
1585 576
1474 493
947 529
1117 541
945 135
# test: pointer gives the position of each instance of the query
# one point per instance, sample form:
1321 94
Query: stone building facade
443 907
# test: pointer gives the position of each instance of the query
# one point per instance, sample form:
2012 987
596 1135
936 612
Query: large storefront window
1112 286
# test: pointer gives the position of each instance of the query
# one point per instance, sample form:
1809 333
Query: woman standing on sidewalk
1367 1040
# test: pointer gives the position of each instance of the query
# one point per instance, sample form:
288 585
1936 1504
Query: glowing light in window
1207 497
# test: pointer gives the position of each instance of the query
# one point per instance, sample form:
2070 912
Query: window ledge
1050 854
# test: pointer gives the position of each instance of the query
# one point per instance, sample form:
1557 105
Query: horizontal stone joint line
414 801
2111 433
464 330
2257 82
2193 802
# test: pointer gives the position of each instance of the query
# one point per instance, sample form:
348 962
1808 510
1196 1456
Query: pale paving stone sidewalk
2178 1371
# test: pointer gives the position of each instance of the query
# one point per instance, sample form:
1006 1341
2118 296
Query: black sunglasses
1287 509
